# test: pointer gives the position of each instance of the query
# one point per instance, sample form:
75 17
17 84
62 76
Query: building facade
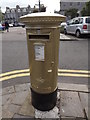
12 15
64 5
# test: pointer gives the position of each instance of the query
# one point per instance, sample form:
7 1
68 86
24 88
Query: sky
50 4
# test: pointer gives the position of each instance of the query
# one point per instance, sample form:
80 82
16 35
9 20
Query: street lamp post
39 5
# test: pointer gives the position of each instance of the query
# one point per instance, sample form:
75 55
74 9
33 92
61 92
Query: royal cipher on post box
43 35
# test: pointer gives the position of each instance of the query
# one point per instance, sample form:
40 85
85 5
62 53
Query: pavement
64 37
72 103
72 99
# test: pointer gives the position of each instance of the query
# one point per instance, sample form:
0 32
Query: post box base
44 102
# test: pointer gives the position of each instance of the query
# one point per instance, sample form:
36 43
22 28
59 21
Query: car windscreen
88 20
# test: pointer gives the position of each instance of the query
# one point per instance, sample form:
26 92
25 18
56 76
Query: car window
71 22
80 20
76 21
88 20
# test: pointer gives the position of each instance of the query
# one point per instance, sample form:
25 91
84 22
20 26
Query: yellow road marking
14 72
59 70
74 75
73 71
28 74
14 76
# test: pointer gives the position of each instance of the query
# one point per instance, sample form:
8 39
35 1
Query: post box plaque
39 52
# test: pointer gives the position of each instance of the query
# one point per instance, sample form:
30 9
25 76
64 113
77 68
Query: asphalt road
73 55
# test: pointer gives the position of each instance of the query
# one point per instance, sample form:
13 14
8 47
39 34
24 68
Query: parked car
78 26
21 24
62 25
16 24
10 25
2 27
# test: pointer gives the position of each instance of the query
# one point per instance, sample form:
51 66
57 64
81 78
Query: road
73 55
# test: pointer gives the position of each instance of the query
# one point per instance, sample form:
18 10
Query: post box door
43 45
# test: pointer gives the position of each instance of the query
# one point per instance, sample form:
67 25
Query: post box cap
42 18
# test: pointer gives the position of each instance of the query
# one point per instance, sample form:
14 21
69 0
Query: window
8 11
77 21
87 20
12 10
78 3
19 10
80 20
24 10
70 3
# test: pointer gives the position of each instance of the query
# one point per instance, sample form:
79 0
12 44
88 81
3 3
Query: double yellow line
61 72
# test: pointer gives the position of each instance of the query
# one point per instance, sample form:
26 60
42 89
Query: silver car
78 26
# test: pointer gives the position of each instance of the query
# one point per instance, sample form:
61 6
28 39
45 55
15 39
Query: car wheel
65 31
78 34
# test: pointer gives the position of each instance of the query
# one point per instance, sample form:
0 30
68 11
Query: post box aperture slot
38 37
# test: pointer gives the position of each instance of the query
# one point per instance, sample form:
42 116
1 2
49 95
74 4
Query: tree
0 15
72 13
86 10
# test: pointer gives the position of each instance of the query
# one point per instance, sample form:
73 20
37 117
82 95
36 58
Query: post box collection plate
39 52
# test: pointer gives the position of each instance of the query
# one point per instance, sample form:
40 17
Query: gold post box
43 35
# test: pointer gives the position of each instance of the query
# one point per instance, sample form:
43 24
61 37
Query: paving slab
8 90
72 118
21 116
22 87
85 98
0 90
13 108
70 105
19 97
7 114
5 98
27 109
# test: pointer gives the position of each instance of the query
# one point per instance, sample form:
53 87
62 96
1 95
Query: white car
10 25
78 26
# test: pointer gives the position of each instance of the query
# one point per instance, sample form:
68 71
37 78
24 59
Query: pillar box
43 35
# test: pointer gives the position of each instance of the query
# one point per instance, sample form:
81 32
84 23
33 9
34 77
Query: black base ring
44 102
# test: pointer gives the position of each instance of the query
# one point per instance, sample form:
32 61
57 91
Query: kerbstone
73 87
